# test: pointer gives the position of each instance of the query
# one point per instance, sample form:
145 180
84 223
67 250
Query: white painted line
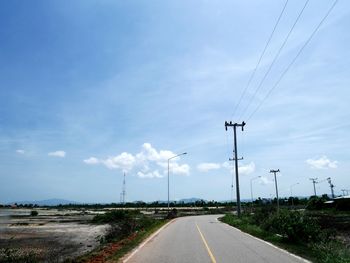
128 257
272 245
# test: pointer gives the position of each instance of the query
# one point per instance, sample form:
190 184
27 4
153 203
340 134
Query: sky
94 89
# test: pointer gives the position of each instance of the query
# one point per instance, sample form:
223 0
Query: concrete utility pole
314 181
291 193
278 203
235 125
331 186
251 189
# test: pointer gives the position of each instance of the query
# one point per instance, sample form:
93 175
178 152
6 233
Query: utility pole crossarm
230 124
233 159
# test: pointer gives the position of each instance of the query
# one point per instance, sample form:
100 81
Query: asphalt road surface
205 239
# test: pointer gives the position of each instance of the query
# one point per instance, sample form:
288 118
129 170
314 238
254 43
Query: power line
275 58
260 58
295 58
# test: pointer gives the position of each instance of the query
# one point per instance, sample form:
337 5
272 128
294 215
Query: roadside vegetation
317 235
127 229
309 227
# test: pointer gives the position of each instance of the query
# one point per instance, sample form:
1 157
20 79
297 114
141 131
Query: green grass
327 251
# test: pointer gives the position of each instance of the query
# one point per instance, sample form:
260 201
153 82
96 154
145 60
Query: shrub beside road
296 231
127 229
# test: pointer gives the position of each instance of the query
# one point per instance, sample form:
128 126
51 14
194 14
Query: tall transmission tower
274 173
234 126
314 181
123 193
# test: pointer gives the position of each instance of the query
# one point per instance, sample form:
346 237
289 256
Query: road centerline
213 260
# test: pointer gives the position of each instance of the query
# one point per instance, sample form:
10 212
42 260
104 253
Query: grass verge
323 251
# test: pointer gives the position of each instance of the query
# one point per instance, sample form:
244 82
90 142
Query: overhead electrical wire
294 59
260 58
274 59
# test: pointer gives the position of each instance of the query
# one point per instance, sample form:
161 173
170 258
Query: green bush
331 251
172 214
123 223
114 216
34 213
294 226
262 214
317 203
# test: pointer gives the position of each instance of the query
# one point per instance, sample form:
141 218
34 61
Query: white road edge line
128 257
272 245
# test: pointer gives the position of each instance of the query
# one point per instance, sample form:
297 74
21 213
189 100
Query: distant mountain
48 202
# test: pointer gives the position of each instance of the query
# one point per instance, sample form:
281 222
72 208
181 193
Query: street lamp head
184 153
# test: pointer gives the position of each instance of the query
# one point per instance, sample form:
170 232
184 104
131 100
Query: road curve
205 239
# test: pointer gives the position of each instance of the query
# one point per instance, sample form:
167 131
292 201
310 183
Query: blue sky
90 89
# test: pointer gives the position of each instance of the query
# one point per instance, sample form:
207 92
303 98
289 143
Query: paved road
204 239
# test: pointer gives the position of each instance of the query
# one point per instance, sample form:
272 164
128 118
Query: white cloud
322 163
148 153
19 151
124 161
183 169
227 165
247 169
60 154
91 160
264 180
145 163
242 169
154 174
205 167
175 168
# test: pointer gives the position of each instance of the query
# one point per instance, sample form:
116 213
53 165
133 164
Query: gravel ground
53 235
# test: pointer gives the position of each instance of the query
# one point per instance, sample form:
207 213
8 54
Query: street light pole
251 188
291 193
169 172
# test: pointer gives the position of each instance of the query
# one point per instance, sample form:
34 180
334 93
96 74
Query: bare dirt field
51 236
